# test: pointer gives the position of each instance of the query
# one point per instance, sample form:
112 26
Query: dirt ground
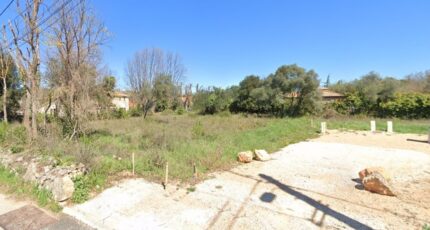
309 185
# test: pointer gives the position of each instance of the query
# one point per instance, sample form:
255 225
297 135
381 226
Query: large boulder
62 188
245 157
368 171
261 155
375 182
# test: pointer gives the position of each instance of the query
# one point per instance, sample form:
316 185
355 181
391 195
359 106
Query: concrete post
389 127
323 128
372 126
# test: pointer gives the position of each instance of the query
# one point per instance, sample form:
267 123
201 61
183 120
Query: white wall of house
121 103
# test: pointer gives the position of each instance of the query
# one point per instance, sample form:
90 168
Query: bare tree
144 69
27 58
5 64
77 37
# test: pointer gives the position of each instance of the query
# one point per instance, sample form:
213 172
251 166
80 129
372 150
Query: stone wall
45 172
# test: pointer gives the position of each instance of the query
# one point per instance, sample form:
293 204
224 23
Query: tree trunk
4 100
26 111
34 109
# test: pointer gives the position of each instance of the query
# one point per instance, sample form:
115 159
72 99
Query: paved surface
27 217
19 215
309 185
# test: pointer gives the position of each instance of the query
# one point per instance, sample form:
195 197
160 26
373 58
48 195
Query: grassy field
399 126
211 142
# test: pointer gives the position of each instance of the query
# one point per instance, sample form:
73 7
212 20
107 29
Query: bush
135 112
119 113
82 190
180 110
407 105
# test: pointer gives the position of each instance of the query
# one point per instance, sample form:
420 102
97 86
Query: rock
62 188
261 155
376 183
245 157
367 171
32 172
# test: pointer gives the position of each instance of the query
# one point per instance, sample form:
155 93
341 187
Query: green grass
12 184
399 126
211 142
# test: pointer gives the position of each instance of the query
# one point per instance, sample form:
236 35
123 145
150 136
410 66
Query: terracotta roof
120 94
325 93
329 93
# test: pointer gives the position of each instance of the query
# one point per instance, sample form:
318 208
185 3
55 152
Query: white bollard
389 127
372 126
323 127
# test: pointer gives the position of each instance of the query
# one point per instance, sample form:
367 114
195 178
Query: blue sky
222 41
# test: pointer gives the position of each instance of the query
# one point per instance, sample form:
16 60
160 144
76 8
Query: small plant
180 110
119 113
191 189
426 227
82 191
198 130
16 149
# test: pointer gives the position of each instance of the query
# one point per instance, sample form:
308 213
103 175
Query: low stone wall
46 173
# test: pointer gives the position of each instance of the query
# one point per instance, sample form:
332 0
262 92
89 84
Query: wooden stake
194 171
132 161
166 176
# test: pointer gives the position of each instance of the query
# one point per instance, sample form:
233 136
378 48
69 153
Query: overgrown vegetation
373 95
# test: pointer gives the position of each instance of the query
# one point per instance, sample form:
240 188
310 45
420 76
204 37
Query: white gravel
306 186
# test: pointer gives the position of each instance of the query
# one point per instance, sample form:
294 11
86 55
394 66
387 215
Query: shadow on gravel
317 205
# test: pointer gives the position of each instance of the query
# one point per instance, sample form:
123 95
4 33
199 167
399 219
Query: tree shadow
419 141
317 205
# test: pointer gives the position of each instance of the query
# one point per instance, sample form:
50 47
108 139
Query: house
121 101
329 95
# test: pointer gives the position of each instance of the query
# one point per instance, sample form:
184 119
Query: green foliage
13 136
407 105
166 93
198 130
82 190
180 110
135 112
426 227
17 149
212 100
109 84
291 90
119 113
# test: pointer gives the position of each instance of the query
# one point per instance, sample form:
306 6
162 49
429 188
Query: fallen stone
376 183
245 157
62 188
367 171
261 155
